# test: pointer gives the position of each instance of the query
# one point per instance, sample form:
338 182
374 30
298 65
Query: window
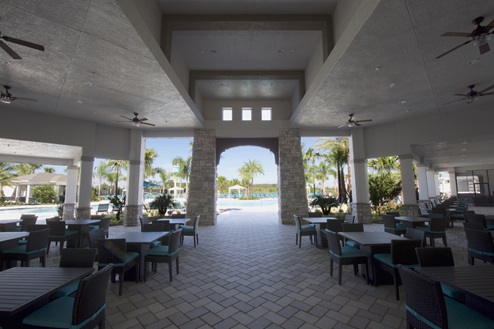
227 114
246 114
266 114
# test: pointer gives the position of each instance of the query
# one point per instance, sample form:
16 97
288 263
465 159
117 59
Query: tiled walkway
247 272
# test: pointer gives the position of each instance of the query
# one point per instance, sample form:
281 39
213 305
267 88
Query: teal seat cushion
21 249
57 314
452 292
154 244
308 228
158 251
65 291
349 252
490 226
461 316
352 244
386 259
485 253
400 226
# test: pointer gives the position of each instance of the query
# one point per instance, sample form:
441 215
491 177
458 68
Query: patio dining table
9 224
23 289
475 281
81 226
320 224
373 243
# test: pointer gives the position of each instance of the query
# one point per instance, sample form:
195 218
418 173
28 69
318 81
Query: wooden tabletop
23 286
476 280
412 219
318 220
9 236
371 238
140 237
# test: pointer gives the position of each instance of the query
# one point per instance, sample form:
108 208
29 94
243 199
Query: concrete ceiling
97 68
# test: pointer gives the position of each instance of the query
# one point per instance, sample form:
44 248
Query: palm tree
222 184
26 168
101 173
6 174
117 165
339 156
49 170
165 177
322 172
149 156
183 170
249 170
309 158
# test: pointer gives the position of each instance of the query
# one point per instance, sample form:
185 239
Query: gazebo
238 188
24 184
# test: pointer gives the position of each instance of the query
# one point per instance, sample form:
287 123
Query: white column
452 183
436 182
28 193
135 179
422 181
70 193
360 180
407 179
431 184
85 186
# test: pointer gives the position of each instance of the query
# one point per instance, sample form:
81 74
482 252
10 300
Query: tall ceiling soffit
246 56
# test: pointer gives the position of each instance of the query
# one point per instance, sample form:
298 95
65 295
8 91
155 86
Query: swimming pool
231 203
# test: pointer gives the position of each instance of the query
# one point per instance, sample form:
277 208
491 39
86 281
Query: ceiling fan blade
486 94
126 118
490 25
143 119
453 49
149 124
356 123
26 99
456 34
9 50
456 100
486 89
24 43
461 95
483 48
345 125
366 120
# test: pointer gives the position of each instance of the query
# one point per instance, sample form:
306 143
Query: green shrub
44 194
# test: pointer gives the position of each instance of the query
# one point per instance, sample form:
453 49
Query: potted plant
162 203
325 203
118 204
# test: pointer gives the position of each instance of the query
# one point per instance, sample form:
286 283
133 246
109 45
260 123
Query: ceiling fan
24 43
7 98
480 36
136 121
353 123
473 95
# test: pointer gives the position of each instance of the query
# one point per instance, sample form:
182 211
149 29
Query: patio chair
346 227
402 252
74 257
306 230
156 227
349 218
426 306
436 229
28 221
103 208
144 220
34 248
165 254
440 256
344 256
474 225
86 310
58 233
114 251
414 234
191 231
391 226
93 237
480 246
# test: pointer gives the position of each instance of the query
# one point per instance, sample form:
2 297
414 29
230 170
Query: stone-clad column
291 178
202 187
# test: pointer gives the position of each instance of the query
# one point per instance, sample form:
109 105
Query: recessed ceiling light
377 68
463 150
474 61
391 85
213 51
89 83
3 62
403 102
79 101
409 110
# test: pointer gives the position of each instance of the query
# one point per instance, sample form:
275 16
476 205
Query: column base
411 210
362 212
132 214
83 213
68 211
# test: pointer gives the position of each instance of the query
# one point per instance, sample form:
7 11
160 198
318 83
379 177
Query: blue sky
231 160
